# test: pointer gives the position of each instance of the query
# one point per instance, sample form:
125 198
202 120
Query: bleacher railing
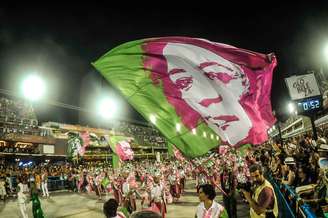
287 201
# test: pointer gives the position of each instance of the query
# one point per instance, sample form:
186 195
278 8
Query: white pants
44 186
22 208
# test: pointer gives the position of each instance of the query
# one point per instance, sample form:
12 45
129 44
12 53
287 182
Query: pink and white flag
124 151
195 88
227 87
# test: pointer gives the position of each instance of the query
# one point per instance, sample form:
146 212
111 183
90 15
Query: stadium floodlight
212 136
291 107
217 138
204 134
107 108
33 88
152 118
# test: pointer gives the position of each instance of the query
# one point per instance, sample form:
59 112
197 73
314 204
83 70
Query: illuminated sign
302 86
309 105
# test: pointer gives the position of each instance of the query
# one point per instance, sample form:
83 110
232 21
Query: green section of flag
242 149
113 140
123 68
116 161
170 149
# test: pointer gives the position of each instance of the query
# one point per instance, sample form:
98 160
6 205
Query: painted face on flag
212 86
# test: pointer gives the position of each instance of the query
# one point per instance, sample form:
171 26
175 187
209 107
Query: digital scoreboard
309 105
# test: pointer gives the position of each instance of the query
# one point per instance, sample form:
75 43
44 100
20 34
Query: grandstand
300 125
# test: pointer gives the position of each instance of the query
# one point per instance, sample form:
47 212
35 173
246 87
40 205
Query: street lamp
33 88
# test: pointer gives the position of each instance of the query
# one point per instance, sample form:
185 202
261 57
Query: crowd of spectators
17 117
144 135
301 165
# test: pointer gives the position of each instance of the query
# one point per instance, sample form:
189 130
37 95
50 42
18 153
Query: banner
194 89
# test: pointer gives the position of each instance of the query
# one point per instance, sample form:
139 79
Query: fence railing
287 201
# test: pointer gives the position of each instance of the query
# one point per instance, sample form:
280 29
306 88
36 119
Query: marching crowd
300 163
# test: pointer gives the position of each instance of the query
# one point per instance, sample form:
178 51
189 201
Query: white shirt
2 184
182 173
125 188
21 186
156 193
215 210
21 197
172 179
202 179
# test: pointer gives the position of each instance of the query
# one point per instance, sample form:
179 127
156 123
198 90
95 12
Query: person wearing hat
314 169
291 167
290 149
320 191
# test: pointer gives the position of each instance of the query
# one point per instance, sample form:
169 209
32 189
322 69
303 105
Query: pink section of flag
86 142
211 82
124 151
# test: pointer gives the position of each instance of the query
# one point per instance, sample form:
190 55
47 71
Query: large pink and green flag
121 147
198 93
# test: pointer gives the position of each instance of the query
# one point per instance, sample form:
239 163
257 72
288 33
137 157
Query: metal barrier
56 183
284 208
287 201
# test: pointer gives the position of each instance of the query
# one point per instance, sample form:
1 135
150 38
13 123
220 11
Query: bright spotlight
152 119
291 108
33 87
212 136
217 138
107 108
178 127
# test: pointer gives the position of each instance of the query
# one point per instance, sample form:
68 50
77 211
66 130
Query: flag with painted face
121 147
198 93
124 150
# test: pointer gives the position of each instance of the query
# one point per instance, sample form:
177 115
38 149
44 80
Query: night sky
60 43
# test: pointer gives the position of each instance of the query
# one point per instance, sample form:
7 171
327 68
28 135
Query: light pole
279 129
